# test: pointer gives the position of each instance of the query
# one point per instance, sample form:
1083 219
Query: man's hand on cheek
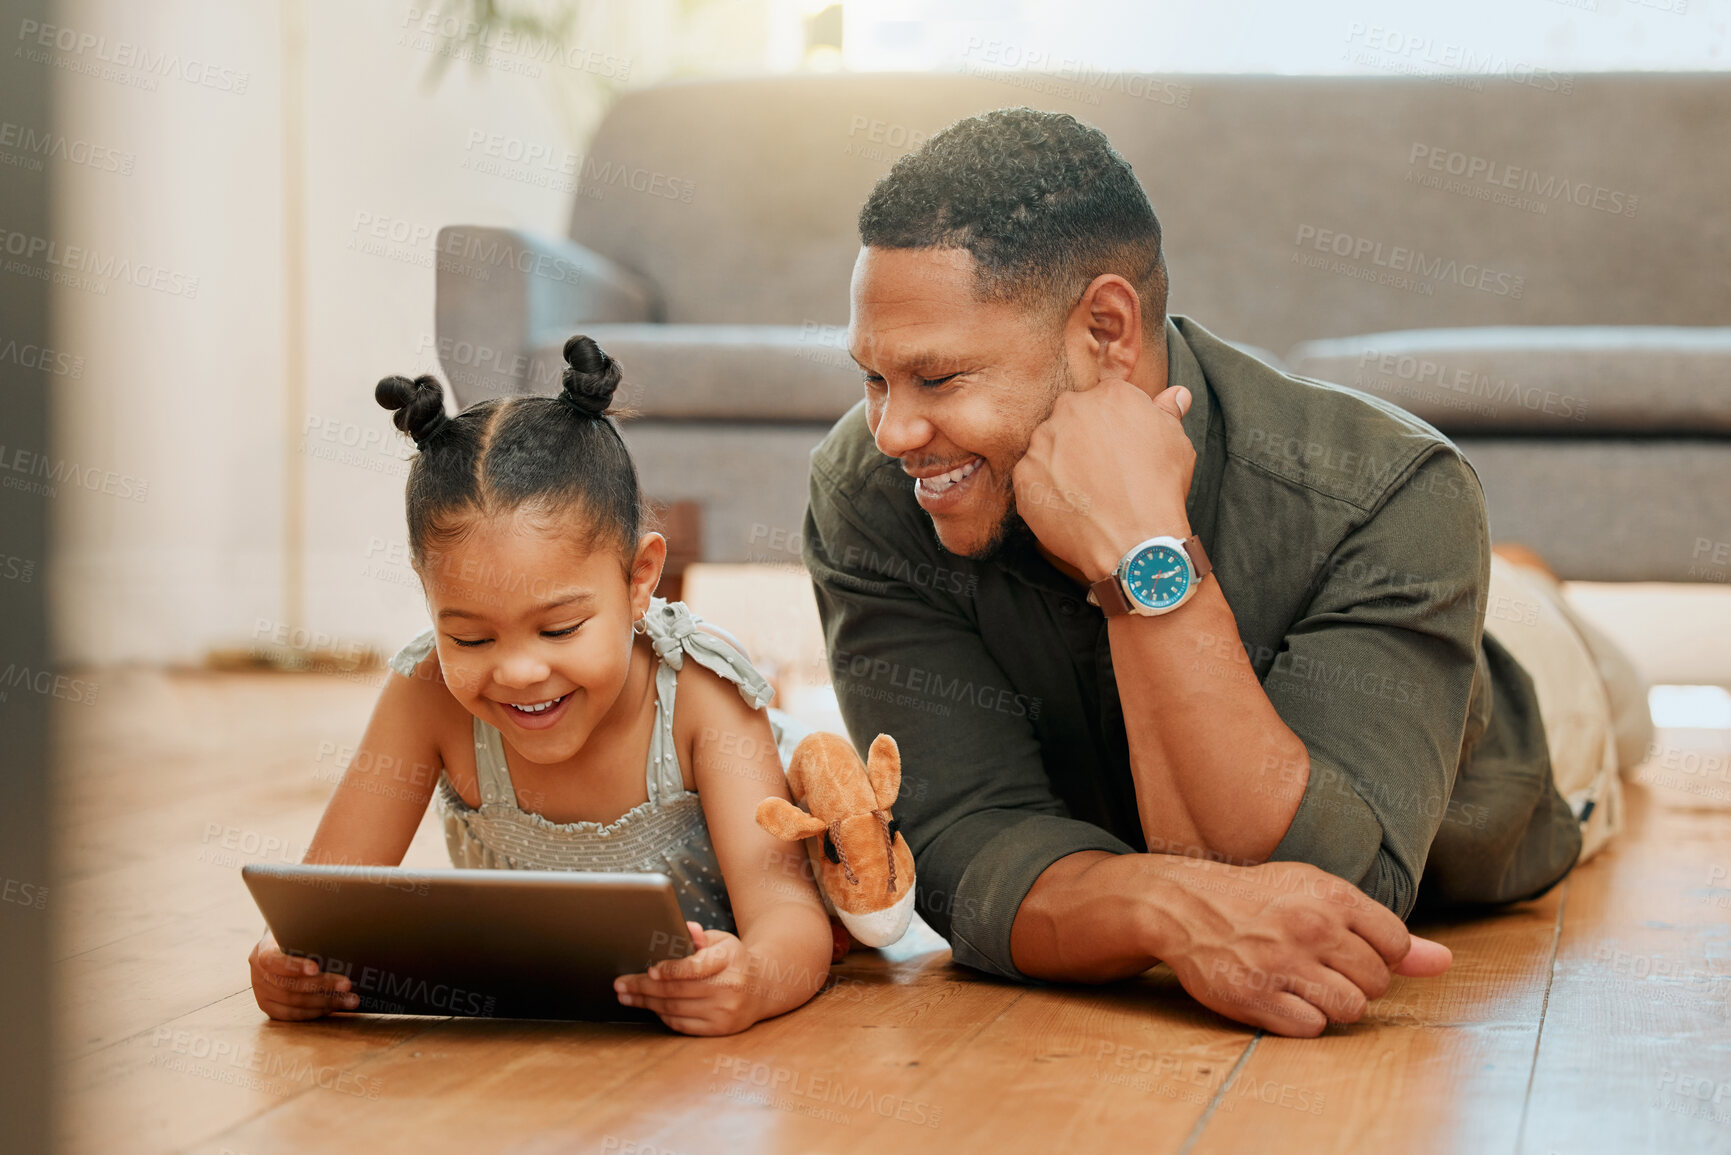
1109 468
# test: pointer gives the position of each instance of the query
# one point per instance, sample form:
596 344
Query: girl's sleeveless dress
665 834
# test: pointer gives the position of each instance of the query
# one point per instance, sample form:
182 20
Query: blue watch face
1158 576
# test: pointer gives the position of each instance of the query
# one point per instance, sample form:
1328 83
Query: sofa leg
681 523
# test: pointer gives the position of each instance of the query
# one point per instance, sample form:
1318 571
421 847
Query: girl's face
534 633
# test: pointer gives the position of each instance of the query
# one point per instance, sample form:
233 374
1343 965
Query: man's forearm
1217 771
1091 916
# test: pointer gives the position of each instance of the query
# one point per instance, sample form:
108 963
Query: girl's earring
637 627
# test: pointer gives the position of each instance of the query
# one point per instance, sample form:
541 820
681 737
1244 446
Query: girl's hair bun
591 376
419 405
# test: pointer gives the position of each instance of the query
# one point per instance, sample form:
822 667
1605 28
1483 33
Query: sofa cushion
1554 381
775 373
1293 207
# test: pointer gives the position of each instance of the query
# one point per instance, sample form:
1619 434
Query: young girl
546 687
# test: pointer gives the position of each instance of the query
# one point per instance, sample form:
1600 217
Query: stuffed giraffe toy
863 866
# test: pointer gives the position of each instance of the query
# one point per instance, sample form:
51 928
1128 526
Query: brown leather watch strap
1108 592
1198 557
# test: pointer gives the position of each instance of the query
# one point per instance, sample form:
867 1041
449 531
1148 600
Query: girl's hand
292 988
705 993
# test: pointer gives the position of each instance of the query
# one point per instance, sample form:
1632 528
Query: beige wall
185 391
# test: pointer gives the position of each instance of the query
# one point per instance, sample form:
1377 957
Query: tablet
520 944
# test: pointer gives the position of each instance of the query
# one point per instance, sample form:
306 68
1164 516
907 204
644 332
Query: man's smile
937 492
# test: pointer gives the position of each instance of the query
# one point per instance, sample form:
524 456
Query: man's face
954 386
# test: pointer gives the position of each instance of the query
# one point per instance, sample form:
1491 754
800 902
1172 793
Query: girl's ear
646 566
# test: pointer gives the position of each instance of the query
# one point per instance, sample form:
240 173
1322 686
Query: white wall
1316 36
178 391
386 153
186 392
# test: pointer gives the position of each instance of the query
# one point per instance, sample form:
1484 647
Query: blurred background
222 224
295 202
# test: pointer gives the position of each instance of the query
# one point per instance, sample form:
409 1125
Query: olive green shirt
1350 540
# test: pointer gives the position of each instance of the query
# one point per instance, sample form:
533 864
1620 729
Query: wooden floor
1597 1019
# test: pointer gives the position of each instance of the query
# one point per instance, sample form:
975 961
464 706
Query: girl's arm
370 820
782 953
377 807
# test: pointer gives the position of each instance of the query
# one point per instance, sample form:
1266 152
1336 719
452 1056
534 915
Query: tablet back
536 944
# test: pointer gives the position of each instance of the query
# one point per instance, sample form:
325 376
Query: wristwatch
1155 577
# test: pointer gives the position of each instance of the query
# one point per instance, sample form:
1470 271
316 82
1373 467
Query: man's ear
1104 330
646 566
884 770
787 821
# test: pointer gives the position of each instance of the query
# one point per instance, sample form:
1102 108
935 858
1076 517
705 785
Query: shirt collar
1182 368
1200 425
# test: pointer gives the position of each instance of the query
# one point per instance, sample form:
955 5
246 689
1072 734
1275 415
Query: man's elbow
1248 832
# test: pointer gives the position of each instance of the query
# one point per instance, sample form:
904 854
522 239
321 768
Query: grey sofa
1543 274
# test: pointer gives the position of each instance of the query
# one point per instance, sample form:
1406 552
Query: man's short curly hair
1043 202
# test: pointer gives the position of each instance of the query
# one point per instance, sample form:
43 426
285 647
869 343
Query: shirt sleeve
1379 677
907 660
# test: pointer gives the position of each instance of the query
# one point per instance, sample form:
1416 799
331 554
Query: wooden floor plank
1421 1050
794 1083
1636 1051
1594 1019
1378 1088
206 1072
1068 1068
459 1085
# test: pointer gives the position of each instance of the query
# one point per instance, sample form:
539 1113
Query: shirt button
1067 607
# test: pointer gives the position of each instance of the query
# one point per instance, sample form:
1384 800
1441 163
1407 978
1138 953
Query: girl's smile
537 715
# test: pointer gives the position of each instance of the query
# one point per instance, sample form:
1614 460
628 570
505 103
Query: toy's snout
881 927
868 872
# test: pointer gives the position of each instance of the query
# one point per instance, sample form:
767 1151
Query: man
1165 690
